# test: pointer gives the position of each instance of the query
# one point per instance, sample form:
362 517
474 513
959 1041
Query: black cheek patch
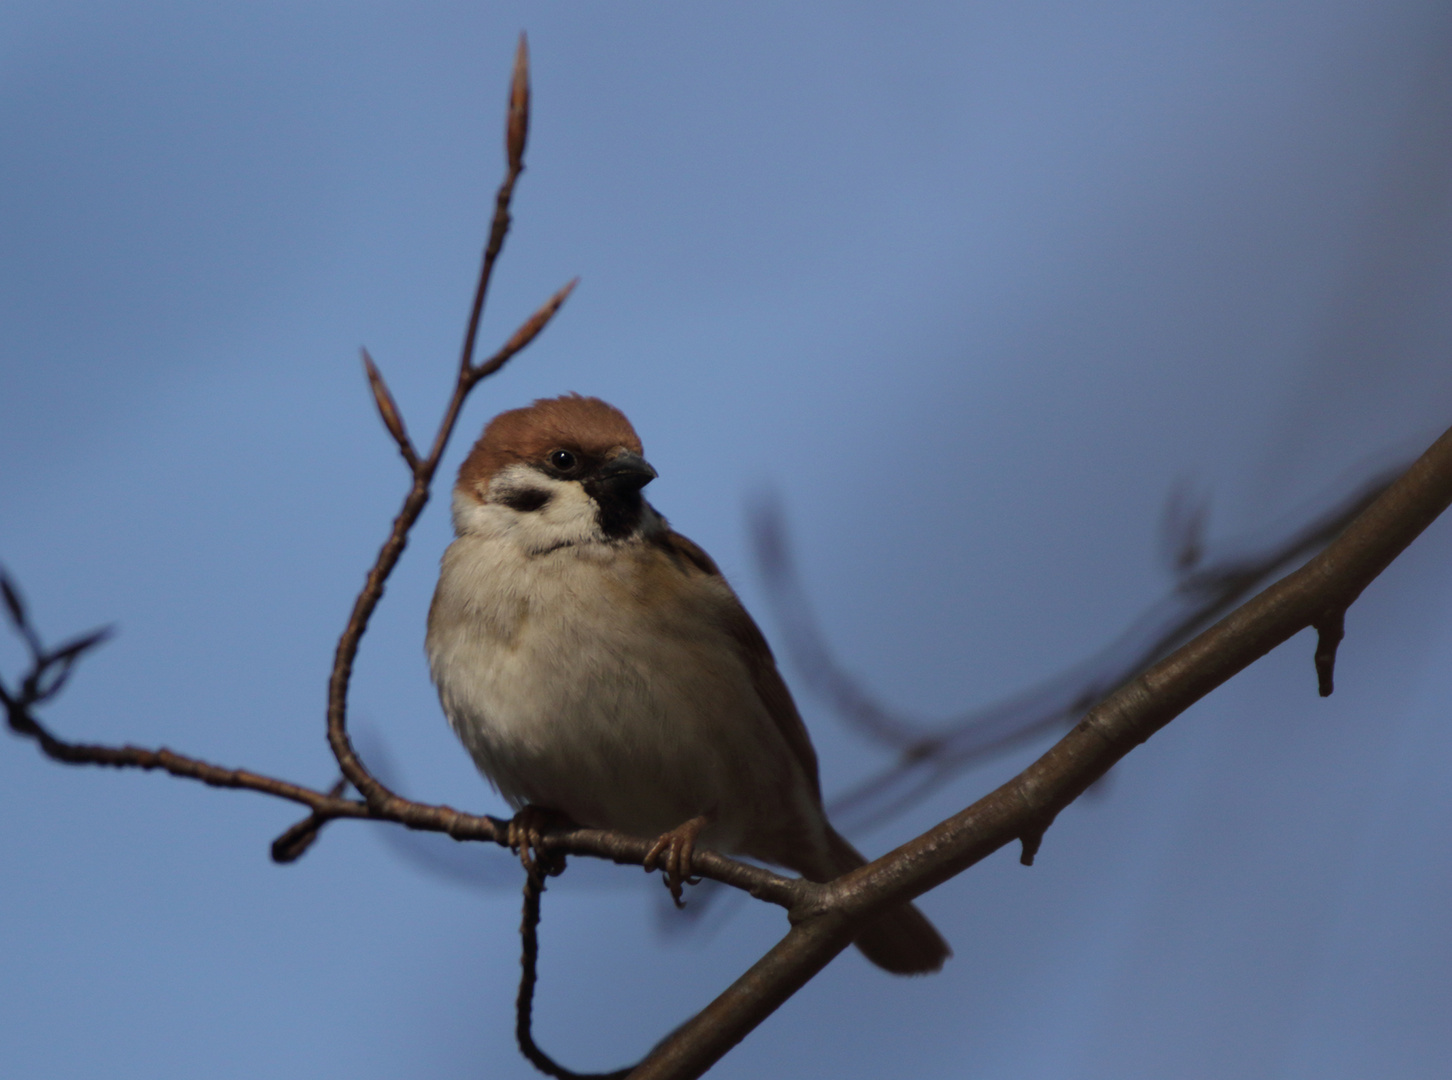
525 500
619 513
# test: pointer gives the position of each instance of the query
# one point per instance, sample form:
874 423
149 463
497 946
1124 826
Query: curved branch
534 885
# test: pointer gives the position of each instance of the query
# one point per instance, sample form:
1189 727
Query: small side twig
49 668
1030 840
527 332
1329 632
293 844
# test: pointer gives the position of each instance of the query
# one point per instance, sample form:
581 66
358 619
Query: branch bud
518 127
539 320
388 410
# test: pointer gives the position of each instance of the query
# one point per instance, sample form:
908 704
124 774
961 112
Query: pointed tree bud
527 332
387 409
518 128
540 319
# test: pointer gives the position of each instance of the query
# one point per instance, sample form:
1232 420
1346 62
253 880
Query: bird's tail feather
900 940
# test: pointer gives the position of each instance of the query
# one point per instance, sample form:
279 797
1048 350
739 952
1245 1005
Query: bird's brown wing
901 940
766 679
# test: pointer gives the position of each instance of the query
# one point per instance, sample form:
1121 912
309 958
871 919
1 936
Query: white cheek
470 515
568 518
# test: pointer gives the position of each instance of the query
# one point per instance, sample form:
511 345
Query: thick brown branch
704 1039
1331 581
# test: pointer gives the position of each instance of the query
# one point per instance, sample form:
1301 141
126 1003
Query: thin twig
382 801
1330 629
41 684
294 843
534 885
526 333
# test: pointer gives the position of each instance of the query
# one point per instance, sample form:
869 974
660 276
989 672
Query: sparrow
596 665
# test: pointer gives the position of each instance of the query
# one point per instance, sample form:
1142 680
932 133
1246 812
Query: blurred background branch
930 754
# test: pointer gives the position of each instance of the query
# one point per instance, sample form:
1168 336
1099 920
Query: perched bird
597 665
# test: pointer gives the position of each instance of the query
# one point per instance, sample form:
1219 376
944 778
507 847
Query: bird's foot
526 835
672 855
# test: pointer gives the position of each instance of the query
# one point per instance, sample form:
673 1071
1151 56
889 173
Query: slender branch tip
517 128
527 332
294 843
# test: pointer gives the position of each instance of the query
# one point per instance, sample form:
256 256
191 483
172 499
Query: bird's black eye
562 460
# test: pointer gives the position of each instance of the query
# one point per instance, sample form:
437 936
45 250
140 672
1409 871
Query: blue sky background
971 285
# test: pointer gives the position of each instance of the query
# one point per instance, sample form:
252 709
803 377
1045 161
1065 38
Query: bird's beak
626 471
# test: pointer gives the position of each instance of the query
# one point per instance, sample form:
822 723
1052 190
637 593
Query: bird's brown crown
585 426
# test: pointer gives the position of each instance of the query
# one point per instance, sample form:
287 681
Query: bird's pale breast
600 680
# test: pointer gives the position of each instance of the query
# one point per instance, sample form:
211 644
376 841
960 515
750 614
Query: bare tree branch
40 685
1029 803
49 670
825 917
